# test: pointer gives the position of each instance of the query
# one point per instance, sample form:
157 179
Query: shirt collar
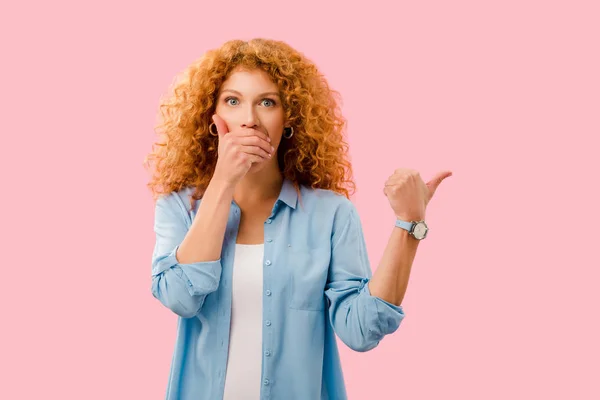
288 193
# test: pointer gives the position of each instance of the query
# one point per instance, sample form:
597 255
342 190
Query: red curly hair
317 154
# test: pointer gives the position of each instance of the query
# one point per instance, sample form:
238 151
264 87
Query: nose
250 119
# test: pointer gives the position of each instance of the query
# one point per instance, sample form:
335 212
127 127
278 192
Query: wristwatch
418 229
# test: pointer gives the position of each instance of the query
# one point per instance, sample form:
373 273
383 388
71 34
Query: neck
259 187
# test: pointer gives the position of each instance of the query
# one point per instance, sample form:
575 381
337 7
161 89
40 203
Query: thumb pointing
436 180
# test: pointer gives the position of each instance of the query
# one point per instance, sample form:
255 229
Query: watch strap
404 225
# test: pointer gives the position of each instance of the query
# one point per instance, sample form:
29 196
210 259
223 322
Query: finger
221 125
244 132
256 141
256 159
437 179
433 184
253 159
395 180
256 150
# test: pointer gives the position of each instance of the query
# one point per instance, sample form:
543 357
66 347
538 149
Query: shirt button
268 323
269 221
268 262
268 292
267 353
266 382
269 240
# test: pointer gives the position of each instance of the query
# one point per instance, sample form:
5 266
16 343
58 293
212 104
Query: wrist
414 227
408 218
221 187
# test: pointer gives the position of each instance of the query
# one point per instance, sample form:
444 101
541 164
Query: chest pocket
308 276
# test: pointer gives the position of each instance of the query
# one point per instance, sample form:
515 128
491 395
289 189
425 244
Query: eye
272 102
230 98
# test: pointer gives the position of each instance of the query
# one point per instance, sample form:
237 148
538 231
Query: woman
258 248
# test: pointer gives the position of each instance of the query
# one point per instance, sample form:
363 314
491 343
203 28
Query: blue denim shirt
315 285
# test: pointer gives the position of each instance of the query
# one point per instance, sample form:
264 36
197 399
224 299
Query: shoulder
325 201
176 202
329 215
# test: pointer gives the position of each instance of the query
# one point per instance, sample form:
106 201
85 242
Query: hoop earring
211 130
291 130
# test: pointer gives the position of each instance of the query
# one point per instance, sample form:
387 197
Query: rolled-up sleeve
180 287
359 319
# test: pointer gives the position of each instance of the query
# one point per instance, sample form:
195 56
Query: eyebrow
241 95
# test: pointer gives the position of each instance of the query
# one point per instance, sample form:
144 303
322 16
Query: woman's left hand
409 195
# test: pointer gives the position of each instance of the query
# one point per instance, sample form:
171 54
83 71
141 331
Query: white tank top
244 363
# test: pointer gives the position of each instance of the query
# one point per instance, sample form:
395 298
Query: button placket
267 305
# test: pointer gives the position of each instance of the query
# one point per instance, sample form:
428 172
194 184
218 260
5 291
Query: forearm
390 280
204 240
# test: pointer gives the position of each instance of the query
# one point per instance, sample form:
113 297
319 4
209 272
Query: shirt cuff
200 276
387 316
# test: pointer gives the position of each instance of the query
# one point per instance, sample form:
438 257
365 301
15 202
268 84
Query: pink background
503 298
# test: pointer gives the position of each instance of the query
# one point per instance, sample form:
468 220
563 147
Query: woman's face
251 99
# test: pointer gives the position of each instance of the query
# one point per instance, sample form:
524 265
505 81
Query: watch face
420 230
